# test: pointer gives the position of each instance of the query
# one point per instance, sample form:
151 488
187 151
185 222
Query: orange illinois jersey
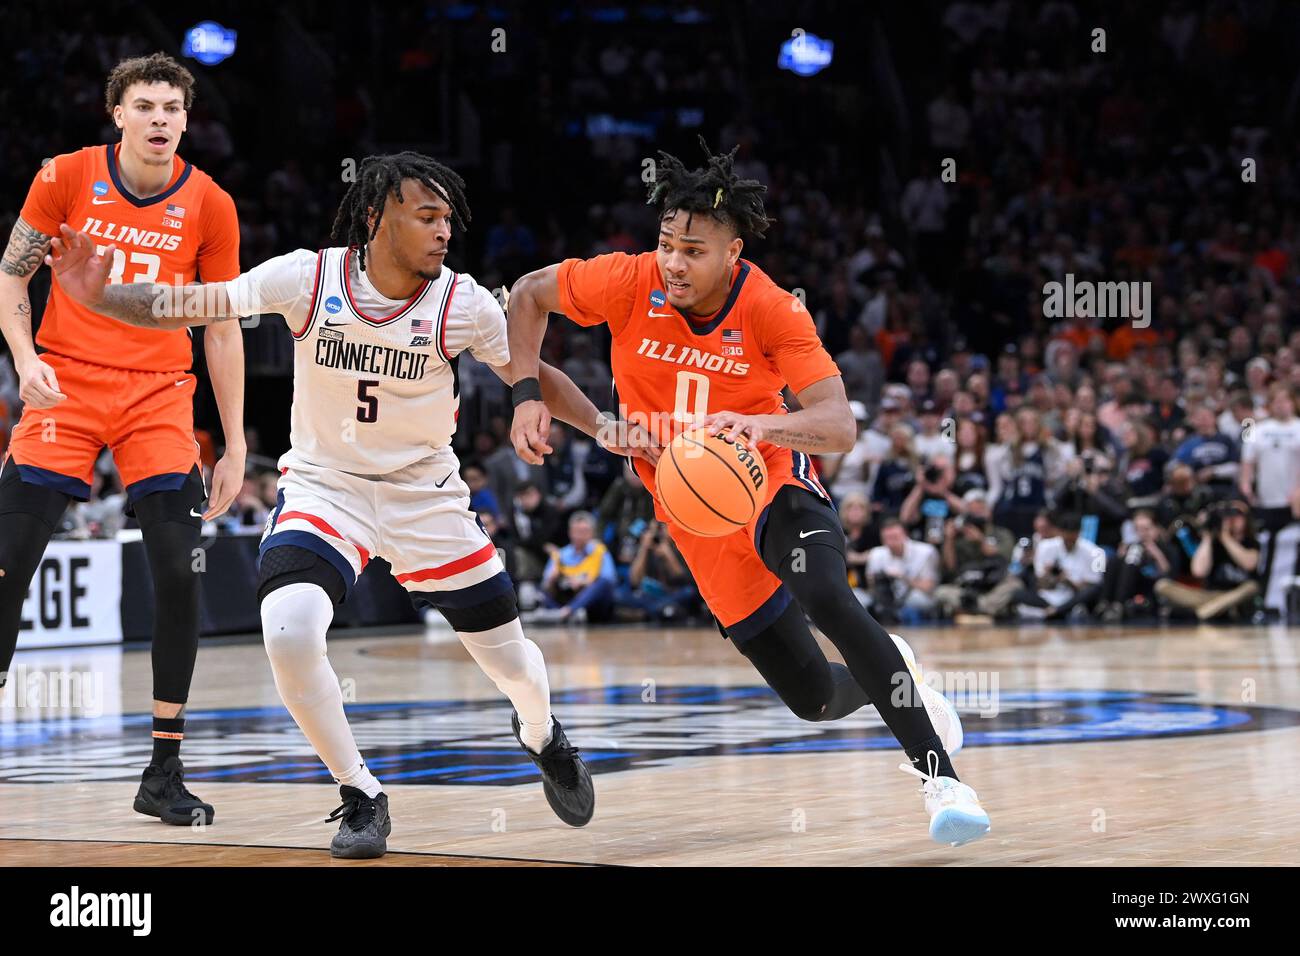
188 232
669 369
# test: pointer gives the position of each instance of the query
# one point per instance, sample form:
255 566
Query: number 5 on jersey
368 410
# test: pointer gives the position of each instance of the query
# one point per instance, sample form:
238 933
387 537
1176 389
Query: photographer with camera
1226 560
1128 588
930 502
975 554
1068 572
901 575
1093 490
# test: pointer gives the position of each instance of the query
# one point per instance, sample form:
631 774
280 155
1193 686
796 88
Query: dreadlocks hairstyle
713 190
380 177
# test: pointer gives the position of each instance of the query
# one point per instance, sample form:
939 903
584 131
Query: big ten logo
498 44
49 431
498 823
49 173
1098 820
798 820
800 301
648 689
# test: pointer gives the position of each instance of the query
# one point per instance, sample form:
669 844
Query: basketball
708 485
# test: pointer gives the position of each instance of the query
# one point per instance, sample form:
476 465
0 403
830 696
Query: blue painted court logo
100 188
658 298
333 304
470 742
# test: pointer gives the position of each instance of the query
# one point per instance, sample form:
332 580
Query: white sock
515 664
295 619
361 778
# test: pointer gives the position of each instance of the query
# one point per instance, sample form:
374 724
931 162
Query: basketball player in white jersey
377 324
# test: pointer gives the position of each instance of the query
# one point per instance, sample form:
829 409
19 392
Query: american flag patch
177 211
422 326
731 336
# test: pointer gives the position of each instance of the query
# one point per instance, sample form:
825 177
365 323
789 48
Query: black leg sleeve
28 516
803 544
171 526
788 657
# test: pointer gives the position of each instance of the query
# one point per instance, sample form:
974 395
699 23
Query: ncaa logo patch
657 298
333 304
449 742
100 188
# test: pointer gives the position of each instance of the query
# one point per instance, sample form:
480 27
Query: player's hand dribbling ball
708 485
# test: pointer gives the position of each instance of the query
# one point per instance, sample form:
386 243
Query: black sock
168 732
919 755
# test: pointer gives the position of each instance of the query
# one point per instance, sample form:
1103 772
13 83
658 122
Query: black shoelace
174 786
561 763
356 812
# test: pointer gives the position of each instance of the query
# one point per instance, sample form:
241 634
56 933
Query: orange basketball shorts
737 586
145 418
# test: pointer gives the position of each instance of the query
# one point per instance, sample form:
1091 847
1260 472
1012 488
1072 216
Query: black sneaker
162 794
365 824
565 778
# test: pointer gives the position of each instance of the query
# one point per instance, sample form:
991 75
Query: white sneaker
947 723
956 817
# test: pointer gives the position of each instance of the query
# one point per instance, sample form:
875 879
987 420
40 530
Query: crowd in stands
1013 462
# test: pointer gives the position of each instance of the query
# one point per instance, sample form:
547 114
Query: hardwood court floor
1091 746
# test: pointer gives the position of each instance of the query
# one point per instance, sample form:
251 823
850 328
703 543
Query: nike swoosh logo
101 202
333 325
659 315
195 514
181 382
804 534
444 481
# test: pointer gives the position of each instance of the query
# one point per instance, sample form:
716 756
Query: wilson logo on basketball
710 486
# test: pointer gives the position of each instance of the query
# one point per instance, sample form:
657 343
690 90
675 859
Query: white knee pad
295 619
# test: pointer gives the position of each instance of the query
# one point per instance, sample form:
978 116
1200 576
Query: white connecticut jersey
375 383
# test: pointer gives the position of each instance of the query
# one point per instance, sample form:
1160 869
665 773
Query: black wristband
525 390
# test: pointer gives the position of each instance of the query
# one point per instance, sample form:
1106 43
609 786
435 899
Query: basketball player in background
746 339
378 324
98 383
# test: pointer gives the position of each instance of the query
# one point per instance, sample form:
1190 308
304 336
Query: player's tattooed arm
26 250
84 273
824 422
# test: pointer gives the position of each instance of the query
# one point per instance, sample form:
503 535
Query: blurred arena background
1054 250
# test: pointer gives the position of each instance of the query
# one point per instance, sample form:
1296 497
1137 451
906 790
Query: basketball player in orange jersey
702 336
98 382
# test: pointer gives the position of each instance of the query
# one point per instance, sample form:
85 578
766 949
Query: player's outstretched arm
532 299
83 275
